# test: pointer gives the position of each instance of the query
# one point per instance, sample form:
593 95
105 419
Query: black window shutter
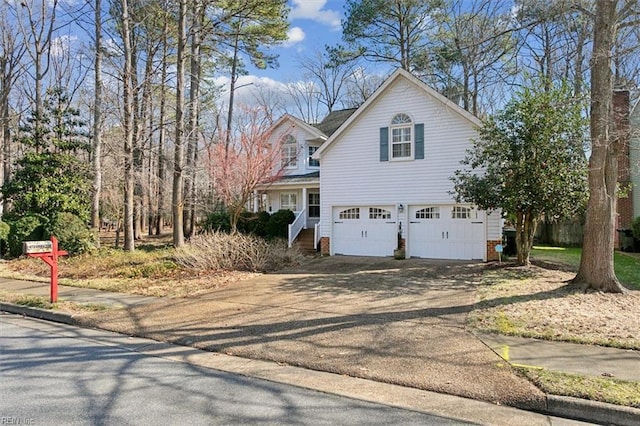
419 141
384 144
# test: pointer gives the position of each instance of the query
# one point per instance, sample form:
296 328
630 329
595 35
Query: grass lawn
627 266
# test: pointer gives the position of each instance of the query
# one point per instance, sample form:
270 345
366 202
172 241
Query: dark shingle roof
334 120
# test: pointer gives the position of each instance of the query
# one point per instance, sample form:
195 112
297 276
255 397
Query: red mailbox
47 251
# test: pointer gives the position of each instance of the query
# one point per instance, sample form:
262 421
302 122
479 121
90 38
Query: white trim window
428 213
377 213
289 201
289 152
313 162
401 136
352 213
460 212
314 204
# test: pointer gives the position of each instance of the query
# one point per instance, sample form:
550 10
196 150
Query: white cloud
294 35
313 10
246 86
61 46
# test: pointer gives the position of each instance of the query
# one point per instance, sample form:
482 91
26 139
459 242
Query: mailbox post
47 251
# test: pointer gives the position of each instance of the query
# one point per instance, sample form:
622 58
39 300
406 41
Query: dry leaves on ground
538 302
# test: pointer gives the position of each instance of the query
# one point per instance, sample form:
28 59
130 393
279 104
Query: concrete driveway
396 321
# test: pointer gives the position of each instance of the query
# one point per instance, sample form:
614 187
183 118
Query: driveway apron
396 321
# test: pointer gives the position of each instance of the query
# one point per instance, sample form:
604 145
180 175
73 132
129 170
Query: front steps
305 241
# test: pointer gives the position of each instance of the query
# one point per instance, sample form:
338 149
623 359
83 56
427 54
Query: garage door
364 231
446 232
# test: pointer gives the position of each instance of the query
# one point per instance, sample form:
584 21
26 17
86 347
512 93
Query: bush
217 221
72 233
27 228
4 237
635 226
236 252
254 223
277 227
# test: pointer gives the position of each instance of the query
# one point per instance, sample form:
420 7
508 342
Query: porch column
304 205
256 201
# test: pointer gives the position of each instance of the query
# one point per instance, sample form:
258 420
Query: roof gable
313 131
397 75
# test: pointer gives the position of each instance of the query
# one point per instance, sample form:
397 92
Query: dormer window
289 152
401 136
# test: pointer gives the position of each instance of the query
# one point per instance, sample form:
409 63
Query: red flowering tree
251 158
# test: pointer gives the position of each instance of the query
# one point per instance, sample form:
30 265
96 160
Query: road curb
39 313
559 406
592 411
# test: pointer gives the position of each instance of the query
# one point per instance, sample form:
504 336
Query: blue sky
313 24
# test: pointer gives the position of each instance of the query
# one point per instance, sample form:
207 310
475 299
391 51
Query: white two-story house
378 179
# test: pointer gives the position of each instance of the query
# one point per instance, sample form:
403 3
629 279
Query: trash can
509 240
625 239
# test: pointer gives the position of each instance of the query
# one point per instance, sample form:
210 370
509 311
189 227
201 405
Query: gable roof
398 74
315 132
334 120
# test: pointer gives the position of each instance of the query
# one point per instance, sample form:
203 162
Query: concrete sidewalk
590 360
566 357
73 294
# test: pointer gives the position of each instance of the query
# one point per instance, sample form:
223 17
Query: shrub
217 221
277 227
635 226
4 237
254 223
72 233
220 251
27 228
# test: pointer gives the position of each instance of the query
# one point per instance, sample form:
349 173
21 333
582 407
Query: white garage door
446 232
364 231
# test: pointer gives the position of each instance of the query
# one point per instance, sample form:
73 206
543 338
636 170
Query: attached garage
364 231
446 232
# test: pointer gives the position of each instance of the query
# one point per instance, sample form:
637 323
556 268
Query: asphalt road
63 375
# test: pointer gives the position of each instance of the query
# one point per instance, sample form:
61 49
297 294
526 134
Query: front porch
301 195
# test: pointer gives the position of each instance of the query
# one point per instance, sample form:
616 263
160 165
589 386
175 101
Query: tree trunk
129 241
194 115
96 160
596 270
178 178
526 225
162 132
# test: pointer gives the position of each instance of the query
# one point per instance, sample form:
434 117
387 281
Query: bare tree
96 159
471 51
305 98
128 124
40 20
12 49
360 86
329 78
178 153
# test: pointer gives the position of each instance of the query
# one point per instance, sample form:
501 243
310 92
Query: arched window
401 136
289 152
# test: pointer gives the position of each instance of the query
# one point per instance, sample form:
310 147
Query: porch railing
316 235
297 226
